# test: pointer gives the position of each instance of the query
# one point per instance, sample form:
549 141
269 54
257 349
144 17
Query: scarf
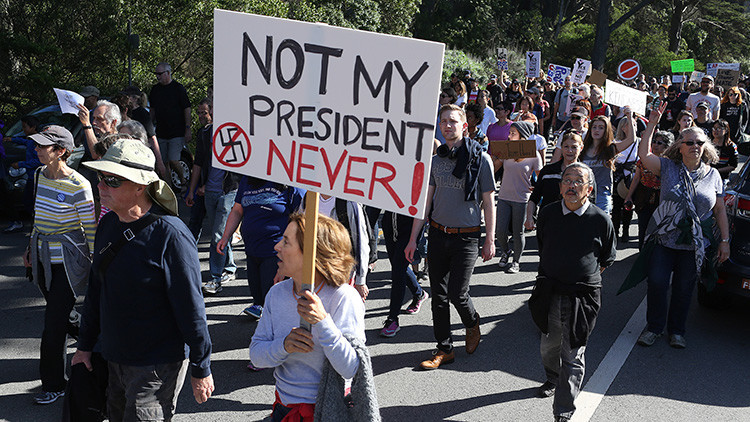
468 160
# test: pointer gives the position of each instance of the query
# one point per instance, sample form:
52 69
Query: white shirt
579 212
711 99
489 118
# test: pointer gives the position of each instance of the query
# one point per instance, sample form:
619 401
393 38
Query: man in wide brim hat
144 302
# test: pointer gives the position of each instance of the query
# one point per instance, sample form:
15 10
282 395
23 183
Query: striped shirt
64 205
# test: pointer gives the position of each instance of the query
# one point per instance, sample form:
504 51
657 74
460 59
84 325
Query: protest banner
621 96
581 69
597 77
338 111
712 68
502 59
696 76
677 79
68 100
511 150
683 66
557 73
533 63
727 78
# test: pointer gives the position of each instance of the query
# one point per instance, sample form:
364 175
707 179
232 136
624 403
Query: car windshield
47 115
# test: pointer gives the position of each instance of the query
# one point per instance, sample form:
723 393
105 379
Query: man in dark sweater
576 243
144 304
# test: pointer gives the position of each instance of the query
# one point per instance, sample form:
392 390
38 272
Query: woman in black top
726 148
735 112
547 186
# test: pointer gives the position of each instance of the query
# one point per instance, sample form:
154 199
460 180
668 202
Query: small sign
68 100
557 73
727 78
510 150
712 68
683 66
502 59
629 69
597 77
677 79
533 63
696 76
621 96
581 69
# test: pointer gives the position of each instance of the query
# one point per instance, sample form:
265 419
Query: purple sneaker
416 304
253 368
390 328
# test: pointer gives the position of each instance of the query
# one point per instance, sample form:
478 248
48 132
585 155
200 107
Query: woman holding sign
304 361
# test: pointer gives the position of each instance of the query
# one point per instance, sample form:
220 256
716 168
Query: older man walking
144 304
576 243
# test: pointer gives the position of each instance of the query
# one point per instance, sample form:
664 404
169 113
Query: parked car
734 274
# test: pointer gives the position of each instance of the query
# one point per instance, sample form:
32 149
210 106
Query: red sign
231 145
628 70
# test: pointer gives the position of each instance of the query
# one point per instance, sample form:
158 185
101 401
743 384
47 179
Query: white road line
595 389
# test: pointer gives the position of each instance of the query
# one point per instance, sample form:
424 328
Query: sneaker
253 368
416 304
227 276
503 263
390 328
48 397
212 287
513 268
255 311
546 390
15 226
647 338
677 341
236 238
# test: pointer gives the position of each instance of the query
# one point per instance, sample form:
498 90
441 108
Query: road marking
595 389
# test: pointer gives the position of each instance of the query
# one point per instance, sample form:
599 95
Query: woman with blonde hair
307 361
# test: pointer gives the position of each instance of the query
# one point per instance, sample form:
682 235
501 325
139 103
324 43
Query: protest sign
68 100
628 69
338 111
557 73
696 76
621 96
597 77
502 59
533 63
683 66
712 68
677 79
581 69
511 150
727 78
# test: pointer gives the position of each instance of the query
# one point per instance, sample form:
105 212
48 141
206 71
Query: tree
604 29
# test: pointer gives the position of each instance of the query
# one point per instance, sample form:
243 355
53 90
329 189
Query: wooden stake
311 245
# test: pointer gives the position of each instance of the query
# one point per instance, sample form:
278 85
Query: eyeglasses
574 183
111 181
576 117
733 94
692 143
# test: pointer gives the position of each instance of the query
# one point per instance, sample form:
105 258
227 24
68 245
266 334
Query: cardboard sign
510 150
557 73
68 100
338 111
683 66
712 68
502 59
621 96
597 77
696 76
727 78
581 69
533 63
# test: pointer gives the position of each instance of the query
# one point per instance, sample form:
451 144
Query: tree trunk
675 26
601 41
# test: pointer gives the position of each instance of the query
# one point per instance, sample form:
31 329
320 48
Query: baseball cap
89 91
493 76
533 90
711 78
134 161
703 104
579 111
54 135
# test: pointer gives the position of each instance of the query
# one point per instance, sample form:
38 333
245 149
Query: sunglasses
111 181
160 73
733 94
575 117
662 143
693 143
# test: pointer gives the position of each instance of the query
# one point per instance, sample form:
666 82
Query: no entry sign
628 70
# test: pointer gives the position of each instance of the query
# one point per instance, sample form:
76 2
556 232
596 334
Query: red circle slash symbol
629 69
233 146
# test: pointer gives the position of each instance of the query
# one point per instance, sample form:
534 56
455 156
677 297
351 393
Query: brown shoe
472 338
439 358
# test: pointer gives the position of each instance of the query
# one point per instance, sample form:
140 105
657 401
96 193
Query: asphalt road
708 381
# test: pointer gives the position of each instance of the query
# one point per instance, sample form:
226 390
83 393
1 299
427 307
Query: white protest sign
338 111
533 63
621 96
557 73
68 100
712 68
581 69
696 76
677 79
502 59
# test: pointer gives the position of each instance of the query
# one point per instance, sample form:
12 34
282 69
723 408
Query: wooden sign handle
310 245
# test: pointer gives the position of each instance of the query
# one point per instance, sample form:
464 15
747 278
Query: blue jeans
451 259
402 275
260 273
218 205
662 311
604 199
515 213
